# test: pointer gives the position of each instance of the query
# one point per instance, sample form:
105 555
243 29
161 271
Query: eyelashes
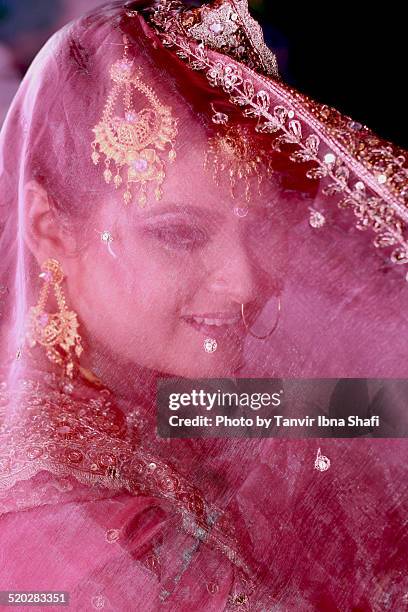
183 237
179 236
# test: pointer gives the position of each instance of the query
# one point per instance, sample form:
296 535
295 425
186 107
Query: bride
170 209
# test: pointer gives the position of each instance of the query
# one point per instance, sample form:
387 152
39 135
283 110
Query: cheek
96 290
137 295
271 253
147 282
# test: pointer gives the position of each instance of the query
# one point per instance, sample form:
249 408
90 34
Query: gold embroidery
88 439
112 535
224 25
368 175
217 26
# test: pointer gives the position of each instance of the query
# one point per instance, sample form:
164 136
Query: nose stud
107 239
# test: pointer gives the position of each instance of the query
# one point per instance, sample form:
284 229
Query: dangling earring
272 330
57 332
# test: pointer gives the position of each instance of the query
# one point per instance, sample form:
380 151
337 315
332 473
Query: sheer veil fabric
154 151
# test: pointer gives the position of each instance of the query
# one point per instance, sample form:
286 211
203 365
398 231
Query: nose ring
272 330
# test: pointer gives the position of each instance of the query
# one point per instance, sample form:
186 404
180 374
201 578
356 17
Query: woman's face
183 267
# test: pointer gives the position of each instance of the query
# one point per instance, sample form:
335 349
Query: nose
232 274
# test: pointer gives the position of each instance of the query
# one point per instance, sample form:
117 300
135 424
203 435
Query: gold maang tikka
57 332
134 138
233 154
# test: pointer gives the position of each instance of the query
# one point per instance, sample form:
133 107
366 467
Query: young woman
171 209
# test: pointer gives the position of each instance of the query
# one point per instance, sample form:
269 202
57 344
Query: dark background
350 56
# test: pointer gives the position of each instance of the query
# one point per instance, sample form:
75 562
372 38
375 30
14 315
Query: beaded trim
369 175
224 26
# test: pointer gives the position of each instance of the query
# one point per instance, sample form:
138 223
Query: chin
209 367
223 363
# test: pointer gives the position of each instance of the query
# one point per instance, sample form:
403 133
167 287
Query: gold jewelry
57 332
134 138
272 330
234 154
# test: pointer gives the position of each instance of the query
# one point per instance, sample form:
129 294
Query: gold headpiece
134 139
233 154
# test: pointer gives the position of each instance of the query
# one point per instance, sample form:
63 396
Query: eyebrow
185 209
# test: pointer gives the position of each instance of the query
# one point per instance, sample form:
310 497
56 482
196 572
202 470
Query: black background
351 56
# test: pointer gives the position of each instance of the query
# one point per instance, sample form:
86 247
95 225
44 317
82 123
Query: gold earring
57 332
272 330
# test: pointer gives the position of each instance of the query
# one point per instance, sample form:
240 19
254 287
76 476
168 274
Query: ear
44 235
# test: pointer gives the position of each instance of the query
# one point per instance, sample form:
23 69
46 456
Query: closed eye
179 236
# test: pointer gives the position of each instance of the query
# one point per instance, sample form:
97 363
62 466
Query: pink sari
245 197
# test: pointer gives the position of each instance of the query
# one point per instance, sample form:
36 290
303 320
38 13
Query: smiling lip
216 315
216 324
214 319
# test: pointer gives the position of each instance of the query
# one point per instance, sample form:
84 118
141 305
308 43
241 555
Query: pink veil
272 205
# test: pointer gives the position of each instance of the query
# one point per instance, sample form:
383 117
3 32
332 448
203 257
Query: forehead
202 175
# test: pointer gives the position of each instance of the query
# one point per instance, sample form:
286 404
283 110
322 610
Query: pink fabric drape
92 501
